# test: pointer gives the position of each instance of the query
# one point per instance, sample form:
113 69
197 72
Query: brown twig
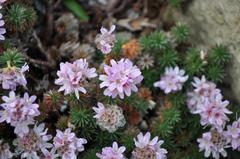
39 62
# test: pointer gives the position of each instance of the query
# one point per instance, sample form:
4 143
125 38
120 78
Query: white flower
146 148
73 75
67 144
214 143
34 142
109 118
172 80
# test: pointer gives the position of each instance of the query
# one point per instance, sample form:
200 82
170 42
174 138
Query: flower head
233 134
109 118
147 148
207 101
5 152
73 75
172 80
11 77
2 1
2 29
204 88
214 112
105 41
33 142
214 143
50 154
203 91
19 112
113 152
121 78
67 144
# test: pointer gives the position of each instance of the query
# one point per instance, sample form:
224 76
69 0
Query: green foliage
83 120
175 3
13 56
20 17
90 154
178 99
151 76
193 63
163 130
170 117
180 32
168 58
127 141
81 117
76 8
104 138
156 40
219 54
215 73
118 46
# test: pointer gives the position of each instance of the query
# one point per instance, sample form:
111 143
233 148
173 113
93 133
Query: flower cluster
67 144
73 75
146 148
113 152
109 118
213 142
50 154
105 41
19 112
233 134
33 142
207 101
121 78
172 80
2 29
5 152
203 90
11 77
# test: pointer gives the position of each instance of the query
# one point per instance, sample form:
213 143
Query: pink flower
203 91
233 134
67 144
72 76
204 88
121 78
146 148
172 80
50 154
207 101
2 29
213 145
105 41
34 142
109 118
11 77
214 112
194 101
113 152
5 152
19 112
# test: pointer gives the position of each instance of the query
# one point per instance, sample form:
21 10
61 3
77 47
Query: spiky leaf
219 54
180 32
156 40
13 56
